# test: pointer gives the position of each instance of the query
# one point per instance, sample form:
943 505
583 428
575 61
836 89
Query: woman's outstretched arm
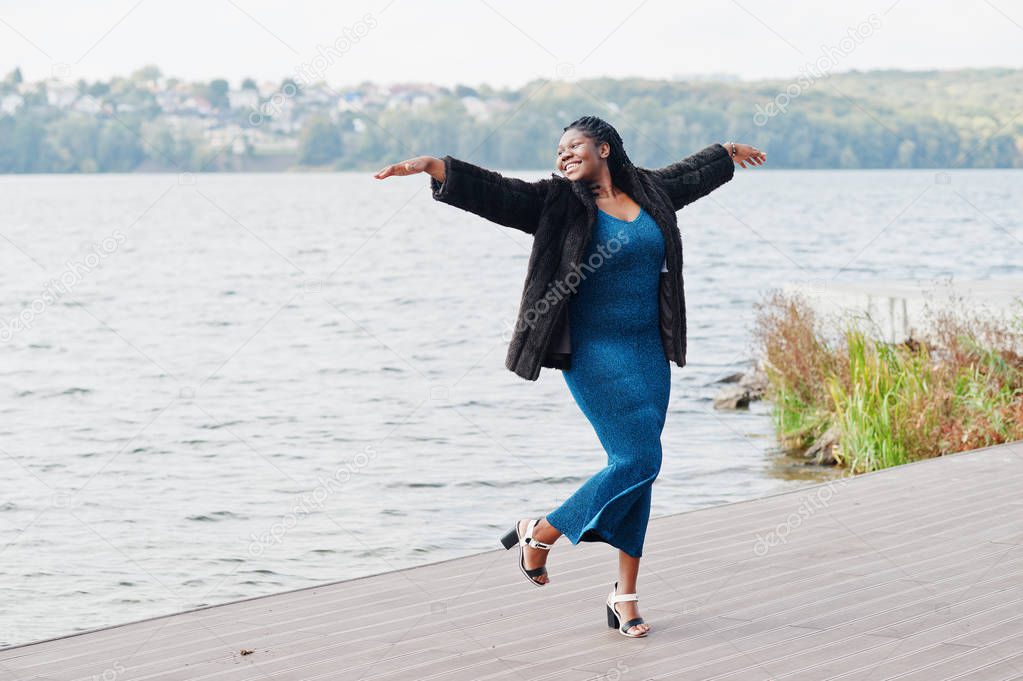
701 173
508 201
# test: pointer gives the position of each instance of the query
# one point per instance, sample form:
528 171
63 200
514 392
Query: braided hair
600 131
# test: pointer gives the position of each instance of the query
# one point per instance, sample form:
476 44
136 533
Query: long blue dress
620 378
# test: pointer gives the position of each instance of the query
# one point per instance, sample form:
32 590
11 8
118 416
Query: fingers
408 167
749 156
755 158
402 168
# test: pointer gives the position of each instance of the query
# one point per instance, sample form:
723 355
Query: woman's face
578 158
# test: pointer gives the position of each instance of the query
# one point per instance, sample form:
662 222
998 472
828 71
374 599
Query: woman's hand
420 164
746 153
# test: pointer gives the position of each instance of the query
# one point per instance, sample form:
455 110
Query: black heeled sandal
512 537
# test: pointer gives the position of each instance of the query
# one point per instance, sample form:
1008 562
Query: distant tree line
875 119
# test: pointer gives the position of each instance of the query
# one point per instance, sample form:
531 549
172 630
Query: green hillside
970 118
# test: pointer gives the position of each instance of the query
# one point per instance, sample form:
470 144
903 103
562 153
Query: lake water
223 386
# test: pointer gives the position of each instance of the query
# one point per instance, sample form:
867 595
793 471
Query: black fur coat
560 214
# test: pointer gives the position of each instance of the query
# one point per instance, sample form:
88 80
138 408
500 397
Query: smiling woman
613 334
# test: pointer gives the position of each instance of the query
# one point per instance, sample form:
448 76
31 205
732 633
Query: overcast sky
500 43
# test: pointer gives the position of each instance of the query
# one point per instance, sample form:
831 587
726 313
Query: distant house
350 101
87 105
60 95
243 99
229 136
10 103
318 93
170 101
197 105
420 102
185 125
476 107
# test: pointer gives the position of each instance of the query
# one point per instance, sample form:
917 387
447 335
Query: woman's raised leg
533 557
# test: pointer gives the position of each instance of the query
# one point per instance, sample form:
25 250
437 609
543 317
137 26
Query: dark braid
600 131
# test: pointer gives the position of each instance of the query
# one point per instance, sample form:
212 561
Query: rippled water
253 383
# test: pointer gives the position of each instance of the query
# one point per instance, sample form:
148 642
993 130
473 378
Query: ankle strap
529 540
618 598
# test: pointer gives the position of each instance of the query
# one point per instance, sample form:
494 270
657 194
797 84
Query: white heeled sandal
512 537
614 619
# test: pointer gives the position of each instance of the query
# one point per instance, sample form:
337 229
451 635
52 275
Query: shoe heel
612 618
510 539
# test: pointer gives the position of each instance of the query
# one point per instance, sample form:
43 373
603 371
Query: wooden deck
913 573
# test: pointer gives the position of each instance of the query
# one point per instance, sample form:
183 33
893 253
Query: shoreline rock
822 451
743 387
747 386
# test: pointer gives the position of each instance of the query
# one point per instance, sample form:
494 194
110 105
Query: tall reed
959 387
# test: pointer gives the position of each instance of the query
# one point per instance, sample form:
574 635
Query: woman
615 327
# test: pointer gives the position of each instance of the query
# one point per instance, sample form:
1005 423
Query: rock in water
732 397
822 451
743 388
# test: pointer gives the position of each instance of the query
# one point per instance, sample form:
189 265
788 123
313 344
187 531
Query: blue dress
620 378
